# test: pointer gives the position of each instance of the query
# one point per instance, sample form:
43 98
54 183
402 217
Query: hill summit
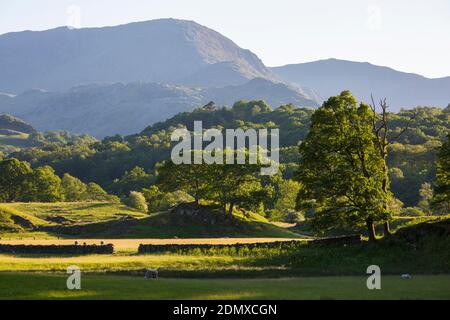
165 50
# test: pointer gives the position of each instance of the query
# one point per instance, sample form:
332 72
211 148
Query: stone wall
57 249
154 248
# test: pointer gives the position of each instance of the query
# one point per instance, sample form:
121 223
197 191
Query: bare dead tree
380 130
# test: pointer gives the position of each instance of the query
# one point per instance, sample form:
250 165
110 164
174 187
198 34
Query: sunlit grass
44 286
111 263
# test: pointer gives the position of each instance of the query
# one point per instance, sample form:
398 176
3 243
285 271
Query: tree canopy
340 167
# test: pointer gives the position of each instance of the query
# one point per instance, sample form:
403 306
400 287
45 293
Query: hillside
164 50
16 134
402 90
108 220
14 125
411 159
106 110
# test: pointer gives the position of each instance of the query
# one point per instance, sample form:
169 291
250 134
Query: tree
192 178
74 189
426 194
340 167
236 185
286 200
441 196
45 186
380 128
136 179
14 179
153 196
228 185
137 200
95 192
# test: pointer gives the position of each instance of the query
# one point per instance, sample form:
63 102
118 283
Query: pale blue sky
408 35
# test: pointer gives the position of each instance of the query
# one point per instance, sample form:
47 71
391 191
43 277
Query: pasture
53 286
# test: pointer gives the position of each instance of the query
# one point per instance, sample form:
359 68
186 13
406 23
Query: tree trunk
371 230
230 209
386 229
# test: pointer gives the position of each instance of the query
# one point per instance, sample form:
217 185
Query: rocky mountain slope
165 50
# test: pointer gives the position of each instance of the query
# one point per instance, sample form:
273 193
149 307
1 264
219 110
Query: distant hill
330 77
102 110
165 50
16 134
9 123
274 93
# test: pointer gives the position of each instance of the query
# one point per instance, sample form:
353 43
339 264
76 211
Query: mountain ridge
401 89
126 108
163 50
120 79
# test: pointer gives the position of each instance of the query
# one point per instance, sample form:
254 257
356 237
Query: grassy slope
40 286
109 220
11 143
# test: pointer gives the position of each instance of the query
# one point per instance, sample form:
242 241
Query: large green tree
340 167
14 179
229 185
237 185
73 188
193 178
44 186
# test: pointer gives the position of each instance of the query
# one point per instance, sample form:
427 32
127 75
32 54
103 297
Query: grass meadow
53 286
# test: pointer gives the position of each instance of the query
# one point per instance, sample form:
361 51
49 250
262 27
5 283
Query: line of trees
20 182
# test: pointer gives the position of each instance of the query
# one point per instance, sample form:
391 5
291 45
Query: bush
95 192
412 211
137 200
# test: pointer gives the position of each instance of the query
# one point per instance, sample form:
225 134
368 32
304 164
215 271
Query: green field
431 257
51 286
290 272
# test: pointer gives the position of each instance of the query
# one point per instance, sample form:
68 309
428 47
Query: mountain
274 93
107 109
329 77
120 79
166 50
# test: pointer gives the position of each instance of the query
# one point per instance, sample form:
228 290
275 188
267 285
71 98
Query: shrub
137 200
412 211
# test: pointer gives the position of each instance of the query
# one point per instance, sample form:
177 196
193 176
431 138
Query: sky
407 35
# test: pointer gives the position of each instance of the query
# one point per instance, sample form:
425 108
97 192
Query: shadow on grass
168 225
